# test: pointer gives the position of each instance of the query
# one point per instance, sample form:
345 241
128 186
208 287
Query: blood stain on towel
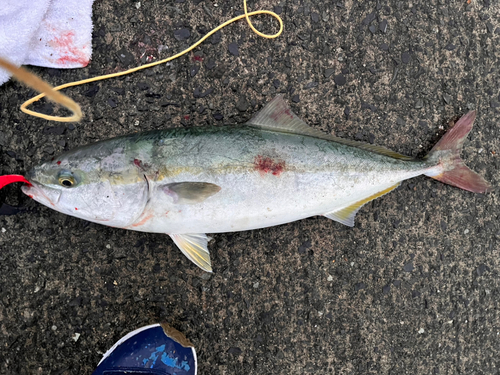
69 52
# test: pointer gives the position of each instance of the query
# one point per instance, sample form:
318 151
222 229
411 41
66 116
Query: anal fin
194 247
346 215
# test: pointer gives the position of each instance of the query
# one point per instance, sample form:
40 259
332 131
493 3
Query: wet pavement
412 288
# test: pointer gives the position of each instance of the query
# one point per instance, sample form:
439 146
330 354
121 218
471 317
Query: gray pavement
413 288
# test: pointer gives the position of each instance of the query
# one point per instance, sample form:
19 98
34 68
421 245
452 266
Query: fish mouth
28 189
42 194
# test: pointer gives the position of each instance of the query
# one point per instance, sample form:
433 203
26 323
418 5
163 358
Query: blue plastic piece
148 351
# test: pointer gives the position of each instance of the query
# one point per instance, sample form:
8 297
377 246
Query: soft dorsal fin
347 214
278 116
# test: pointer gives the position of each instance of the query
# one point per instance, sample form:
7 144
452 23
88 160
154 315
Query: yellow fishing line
77 114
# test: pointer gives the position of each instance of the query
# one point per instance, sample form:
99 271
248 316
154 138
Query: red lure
11 178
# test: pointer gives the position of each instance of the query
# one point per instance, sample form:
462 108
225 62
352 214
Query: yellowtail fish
272 170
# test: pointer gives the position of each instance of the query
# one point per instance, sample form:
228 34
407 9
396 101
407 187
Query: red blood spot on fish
31 196
139 164
69 52
59 162
267 165
166 213
197 58
76 209
186 117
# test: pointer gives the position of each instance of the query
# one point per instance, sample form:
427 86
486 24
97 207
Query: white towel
49 33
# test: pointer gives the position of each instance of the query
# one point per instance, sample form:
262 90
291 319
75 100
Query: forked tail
446 154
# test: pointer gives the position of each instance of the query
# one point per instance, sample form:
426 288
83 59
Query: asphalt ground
413 288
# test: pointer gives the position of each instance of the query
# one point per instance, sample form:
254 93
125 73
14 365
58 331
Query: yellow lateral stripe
70 104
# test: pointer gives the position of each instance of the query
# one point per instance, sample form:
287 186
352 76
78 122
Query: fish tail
446 156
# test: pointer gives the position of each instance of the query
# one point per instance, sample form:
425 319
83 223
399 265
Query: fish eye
66 179
66 182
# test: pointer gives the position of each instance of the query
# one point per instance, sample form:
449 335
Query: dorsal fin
278 116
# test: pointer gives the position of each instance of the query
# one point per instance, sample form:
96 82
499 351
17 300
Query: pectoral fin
346 215
190 192
194 246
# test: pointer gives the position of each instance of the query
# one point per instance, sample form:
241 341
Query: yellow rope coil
41 86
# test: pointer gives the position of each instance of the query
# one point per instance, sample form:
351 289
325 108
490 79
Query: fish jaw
46 196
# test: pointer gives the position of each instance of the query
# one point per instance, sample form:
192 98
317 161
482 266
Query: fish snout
31 175
27 189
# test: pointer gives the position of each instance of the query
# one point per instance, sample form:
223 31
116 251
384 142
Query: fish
272 170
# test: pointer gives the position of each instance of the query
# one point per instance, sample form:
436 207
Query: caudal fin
446 153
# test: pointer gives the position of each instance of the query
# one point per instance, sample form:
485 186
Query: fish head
82 188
